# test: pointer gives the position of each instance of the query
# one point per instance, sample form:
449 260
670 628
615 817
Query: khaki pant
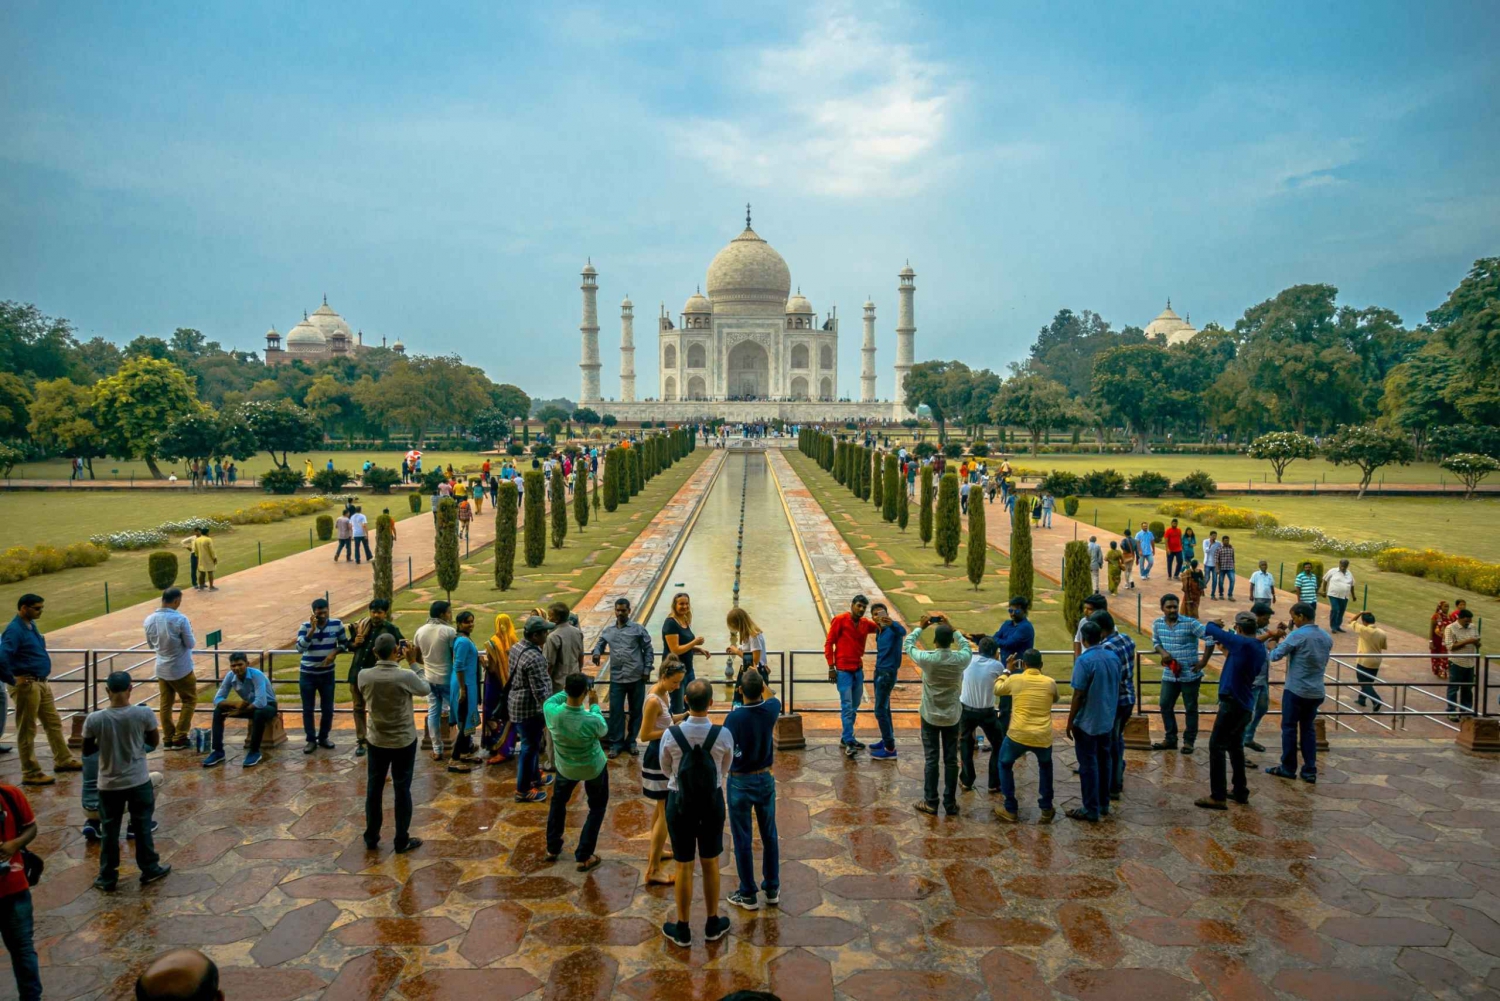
185 689
358 698
33 701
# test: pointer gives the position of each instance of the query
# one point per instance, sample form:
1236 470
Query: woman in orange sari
499 734
1435 641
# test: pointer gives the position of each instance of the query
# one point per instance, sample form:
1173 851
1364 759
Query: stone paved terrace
1382 883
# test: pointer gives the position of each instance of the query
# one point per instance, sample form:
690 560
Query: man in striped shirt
1307 585
319 641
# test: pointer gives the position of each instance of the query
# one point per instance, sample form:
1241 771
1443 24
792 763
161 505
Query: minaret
867 357
627 351
906 335
590 330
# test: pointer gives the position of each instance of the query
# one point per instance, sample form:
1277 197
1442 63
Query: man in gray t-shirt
122 735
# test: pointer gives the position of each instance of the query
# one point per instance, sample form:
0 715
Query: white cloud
841 111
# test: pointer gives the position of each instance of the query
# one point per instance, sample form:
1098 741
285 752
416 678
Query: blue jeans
320 686
621 735
1010 753
16 931
885 681
1226 584
91 786
1148 560
1046 517
466 711
1336 609
1117 747
851 685
1171 691
1211 581
529 762
1297 727
1093 770
436 700
1262 696
758 793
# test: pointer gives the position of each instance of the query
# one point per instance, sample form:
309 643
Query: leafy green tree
445 545
196 435
133 407
581 492
509 400
924 512
1471 468
944 387
890 489
1369 448
586 416
15 405
490 426
1414 395
1077 582
1037 404
947 519
1021 569
1468 328
39 347
385 542
978 546
1131 382
1483 439
536 517
559 507
609 420
62 421
1282 448
281 427
1065 349
505 535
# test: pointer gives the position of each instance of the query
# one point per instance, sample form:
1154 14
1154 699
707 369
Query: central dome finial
747 215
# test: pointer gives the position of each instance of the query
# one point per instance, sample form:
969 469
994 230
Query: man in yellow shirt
1367 662
1032 695
207 559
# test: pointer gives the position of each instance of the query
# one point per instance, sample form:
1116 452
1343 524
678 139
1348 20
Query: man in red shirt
17 830
845 652
1173 538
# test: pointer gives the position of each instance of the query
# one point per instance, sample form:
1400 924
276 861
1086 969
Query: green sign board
215 638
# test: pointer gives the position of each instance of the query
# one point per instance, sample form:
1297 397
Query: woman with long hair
1435 641
499 735
656 718
1189 545
747 645
678 640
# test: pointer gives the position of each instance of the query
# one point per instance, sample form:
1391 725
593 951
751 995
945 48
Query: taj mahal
750 349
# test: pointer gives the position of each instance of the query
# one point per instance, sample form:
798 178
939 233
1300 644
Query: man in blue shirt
463 683
1121 646
1091 720
24 666
752 789
1175 638
319 640
1244 658
1146 550
1261 688
257 701
887 667
1014 637
1306 650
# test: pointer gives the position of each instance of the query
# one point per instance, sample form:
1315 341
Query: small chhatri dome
869 304
626 303
272 335
798 304
1174 328
588 267
398 347
697 303
907 272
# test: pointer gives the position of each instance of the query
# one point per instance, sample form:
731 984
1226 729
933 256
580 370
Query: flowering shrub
185 526
1217 515
19 562
137 539
1458 571
1322 543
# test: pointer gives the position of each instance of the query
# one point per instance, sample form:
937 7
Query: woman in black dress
678 639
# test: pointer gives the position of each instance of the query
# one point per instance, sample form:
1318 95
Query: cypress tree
827 456
611 485
385 541
581 491
877 482
978 546
445 545
597 492
838 464
1020 548
1077 583
505 535
535 527
924 515
890 508
903 507
637 472
559 490
946 533
866 473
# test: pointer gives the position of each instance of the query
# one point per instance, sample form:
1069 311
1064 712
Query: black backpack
697 778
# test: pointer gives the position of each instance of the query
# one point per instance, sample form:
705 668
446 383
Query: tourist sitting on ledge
257 702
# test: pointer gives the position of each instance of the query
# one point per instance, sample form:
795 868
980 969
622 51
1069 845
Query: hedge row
1459 571
1217 515
19 562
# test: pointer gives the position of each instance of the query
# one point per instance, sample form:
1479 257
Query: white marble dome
697 303
305 337
799 304
749 271
1172 327
329 323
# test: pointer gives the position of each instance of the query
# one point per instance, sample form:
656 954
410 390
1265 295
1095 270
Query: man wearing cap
257 700
122 735
1244 657
530 688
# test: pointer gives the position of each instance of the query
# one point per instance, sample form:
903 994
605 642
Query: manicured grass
260 462
908 573
1467 528
57 518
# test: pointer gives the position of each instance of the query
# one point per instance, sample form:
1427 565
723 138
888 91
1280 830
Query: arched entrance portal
749 371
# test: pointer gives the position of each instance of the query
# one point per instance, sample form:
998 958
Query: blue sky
442 170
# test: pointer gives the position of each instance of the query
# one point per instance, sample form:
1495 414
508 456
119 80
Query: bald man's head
180 975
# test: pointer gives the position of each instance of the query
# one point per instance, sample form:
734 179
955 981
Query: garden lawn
56 518
915 579
1451 524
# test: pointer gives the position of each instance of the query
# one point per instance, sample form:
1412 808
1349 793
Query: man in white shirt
434 640
1462 640
1338 585
1263 586
170 634
361 538
696 810
977 701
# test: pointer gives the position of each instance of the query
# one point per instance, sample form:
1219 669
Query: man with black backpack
695 756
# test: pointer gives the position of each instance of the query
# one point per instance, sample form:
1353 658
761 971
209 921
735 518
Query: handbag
31 863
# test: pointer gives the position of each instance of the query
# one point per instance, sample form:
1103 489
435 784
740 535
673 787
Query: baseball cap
536 624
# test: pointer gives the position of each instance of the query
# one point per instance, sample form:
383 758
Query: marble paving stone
811 848
1340 985
197 929
1079 887
584 975
1088 933
495 932
366 978
582 930
1200 849
206 849
772 932
1126 985
992 932
1287 931
1012 976
1425 887
799 975
1154 889
1385 931
1482 876
688 985
289 849
909 985
267 985
1481 930
881 887
973 887
428 887
1227 977
1239 887
295 934
1436 974
609 888
1333 888
338 887
516 888
1184 931
800 892
896 930
1368 852
873 848
398 931
503 984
